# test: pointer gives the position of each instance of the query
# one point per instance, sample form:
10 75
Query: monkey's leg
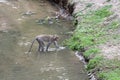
48 45
42 49
42 46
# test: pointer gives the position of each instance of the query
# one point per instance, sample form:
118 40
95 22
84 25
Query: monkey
45 38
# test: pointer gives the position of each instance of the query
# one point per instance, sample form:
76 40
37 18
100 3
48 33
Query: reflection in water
16 64
54 49
2 0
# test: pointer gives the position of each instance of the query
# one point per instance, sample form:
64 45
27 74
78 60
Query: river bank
97 33
97 37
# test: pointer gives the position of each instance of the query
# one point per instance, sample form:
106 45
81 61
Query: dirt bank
98 24
111 48
65 7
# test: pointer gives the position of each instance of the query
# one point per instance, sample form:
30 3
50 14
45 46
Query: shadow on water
15 39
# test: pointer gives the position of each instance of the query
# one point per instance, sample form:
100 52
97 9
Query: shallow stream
18 27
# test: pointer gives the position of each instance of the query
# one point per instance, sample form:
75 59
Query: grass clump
88 30
108 0
74 43
114 25
110 70
94 62
91 32
110 75
103 12
90 52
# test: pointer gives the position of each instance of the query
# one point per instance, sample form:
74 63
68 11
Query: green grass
88 53
89 5
110 75
103 12
108 0
110 70
89 33
114 25
94 62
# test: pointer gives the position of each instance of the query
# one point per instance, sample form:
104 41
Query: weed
94 62
88 31
103 12
110 75
91 51
89 4
108 0
114 25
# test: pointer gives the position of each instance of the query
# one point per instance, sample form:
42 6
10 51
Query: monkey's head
55 37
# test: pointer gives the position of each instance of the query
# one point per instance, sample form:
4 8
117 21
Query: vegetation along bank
96 35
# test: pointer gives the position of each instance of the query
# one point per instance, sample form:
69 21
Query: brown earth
111 49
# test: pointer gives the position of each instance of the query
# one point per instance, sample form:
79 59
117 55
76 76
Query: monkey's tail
32 45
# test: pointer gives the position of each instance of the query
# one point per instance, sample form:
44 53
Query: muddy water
16 33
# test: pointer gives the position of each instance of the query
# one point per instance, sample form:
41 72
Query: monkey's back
45 38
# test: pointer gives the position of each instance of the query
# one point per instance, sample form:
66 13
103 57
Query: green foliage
88 30
91 51
108 0
110 63
74 43
110 75
91 32
114 25
110 69
103 12
89 4
78 41
94 62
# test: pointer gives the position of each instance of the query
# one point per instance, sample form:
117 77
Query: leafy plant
88 30
94 62
74 43
91 51
91 32
89 4
103 12
110 75
114 25
108 0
